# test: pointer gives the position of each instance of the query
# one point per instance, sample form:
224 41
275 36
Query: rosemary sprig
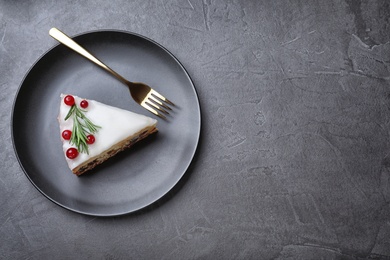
82 127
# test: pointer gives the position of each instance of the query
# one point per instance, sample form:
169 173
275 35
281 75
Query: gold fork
141 93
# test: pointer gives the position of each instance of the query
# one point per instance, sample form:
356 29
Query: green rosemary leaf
70 112
90 126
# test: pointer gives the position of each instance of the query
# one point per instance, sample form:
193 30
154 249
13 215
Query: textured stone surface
294 157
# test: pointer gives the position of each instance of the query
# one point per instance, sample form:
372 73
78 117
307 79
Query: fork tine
155 93
146 105
156 106
155 100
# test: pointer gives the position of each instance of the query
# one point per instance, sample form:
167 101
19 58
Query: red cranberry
90 139
72 153
84 103
69 100
66 134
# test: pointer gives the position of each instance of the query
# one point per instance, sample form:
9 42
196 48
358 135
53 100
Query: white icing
116 124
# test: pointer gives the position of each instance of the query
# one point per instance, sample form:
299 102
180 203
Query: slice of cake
92 132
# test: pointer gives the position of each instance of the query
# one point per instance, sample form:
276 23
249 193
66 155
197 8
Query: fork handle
67 41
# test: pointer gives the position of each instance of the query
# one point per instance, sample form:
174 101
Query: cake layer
122 145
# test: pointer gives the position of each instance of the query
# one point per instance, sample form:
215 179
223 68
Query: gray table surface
294 157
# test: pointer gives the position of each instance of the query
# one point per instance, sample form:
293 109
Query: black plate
133 179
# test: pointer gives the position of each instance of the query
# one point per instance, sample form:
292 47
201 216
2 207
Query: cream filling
116 124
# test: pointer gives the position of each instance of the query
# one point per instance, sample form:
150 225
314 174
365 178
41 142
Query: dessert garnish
83 129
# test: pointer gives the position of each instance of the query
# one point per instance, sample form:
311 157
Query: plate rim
38 60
